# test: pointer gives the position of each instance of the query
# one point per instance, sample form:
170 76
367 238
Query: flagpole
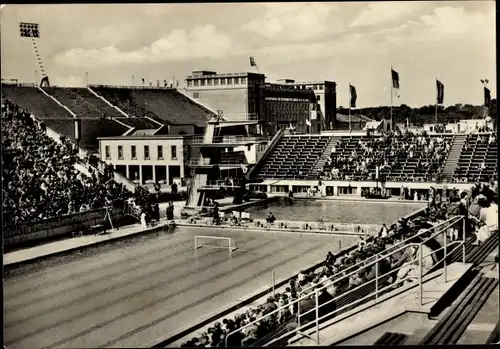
349 101
436 109
391 97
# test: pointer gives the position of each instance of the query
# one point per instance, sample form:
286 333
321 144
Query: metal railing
199 161
401 243
416 258
231 139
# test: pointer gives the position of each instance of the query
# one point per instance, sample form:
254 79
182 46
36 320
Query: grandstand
164 104
399 158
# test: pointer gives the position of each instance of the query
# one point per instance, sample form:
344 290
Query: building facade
147 158
247 96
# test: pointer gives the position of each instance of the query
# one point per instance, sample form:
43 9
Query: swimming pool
336 211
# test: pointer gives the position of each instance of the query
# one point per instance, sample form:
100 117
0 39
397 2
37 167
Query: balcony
199 162
230 140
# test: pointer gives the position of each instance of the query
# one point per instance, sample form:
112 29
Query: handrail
230 139
390 249
362 265
318 288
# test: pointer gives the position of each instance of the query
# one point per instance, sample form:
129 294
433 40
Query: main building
307 106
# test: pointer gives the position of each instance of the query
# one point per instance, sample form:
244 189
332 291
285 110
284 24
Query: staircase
313 174
453 156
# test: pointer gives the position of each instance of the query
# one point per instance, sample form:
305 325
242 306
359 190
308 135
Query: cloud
445 24
68 81
291 22
178 45
380 13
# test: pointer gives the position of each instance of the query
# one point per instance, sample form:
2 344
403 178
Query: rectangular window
223 81
216 81
160 152
190 83
120 152
146 152
196 82
173 151
318 97
202 82
315 87
243 80
133 152
229 81
209 82
320 87
107 152
236 81
196 95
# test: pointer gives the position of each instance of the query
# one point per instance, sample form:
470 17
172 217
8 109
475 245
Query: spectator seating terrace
140 123
82 102
34 100
167 105
293 157
39 178
401 157
478 160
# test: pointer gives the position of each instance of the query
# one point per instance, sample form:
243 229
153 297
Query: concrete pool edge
70 250
111 238
274 230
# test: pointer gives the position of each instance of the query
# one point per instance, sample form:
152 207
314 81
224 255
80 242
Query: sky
354 42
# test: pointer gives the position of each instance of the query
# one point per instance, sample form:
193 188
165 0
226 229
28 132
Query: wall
49 229
233 101
272 184
153 144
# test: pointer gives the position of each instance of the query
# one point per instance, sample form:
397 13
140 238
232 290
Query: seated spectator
488 220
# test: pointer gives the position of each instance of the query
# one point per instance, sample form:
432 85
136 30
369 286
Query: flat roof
145 137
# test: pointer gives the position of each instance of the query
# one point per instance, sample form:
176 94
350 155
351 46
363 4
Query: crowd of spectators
388 237
389 152
40 180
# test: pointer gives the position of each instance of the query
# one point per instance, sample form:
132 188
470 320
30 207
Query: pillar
167 174
127 171
154 173
140 175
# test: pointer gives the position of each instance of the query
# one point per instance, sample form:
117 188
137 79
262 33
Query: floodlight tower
31 30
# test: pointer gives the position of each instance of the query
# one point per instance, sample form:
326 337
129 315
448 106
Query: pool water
336 211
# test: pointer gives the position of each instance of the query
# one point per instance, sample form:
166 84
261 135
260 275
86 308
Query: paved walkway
66 245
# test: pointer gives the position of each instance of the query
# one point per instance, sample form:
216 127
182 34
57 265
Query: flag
308 123
487 97
252 62
395 81
395 78
353 96
440 92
